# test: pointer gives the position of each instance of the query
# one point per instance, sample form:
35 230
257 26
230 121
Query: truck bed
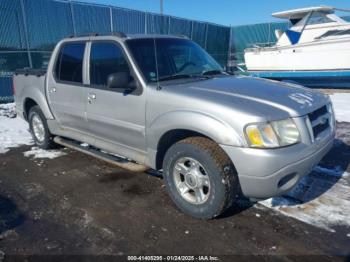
29 71
29 84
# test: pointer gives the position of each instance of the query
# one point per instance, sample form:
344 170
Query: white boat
315 49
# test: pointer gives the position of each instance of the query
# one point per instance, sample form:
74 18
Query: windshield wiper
204 75
212 72
176 76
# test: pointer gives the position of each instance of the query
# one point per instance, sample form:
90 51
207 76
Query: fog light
284 180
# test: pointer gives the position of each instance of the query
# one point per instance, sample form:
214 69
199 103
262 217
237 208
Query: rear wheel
39 129
200 177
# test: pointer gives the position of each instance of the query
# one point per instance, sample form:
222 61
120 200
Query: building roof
301 12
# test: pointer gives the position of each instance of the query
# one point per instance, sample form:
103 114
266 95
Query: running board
91 151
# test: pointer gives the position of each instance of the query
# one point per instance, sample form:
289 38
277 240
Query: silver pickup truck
162 102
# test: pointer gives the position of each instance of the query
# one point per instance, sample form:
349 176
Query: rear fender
34 93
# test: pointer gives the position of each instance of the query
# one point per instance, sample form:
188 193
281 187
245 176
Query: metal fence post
73 20
26 34
169 25
229 49
146 22
206 36
111 18
191 30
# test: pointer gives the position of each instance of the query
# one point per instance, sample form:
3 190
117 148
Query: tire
215 168
40 131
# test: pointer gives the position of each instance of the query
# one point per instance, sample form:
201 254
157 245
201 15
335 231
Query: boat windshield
318 18
315 18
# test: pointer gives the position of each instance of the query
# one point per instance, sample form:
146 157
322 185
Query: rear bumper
267 173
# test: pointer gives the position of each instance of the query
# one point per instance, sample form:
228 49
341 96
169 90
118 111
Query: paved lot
75 204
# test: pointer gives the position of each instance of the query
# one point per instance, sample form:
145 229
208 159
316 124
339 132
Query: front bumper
264 173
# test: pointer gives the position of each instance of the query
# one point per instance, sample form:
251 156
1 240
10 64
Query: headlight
273 134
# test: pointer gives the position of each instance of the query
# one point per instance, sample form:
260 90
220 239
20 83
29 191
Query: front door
66 93
114 116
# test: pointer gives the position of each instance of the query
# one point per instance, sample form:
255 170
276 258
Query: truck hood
290 98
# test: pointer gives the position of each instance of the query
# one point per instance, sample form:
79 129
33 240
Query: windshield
171 58
315 18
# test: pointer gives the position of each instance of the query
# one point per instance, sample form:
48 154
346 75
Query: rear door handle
91 97
52 90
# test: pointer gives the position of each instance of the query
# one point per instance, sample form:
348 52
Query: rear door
66 91
115 117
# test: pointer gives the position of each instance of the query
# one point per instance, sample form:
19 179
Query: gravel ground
75 204
63 202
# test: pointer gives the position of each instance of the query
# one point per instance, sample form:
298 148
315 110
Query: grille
317 113
320 121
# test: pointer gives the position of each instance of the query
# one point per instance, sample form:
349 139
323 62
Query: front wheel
39 129
200 177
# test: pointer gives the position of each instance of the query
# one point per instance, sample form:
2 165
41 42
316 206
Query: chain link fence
29 30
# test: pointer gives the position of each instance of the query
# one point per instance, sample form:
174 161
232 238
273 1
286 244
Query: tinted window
69 66
335 33
143 52
106 59
173 57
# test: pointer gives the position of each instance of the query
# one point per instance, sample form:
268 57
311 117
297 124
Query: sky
225 12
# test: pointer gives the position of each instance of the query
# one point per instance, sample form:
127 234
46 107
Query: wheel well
170 138
28 104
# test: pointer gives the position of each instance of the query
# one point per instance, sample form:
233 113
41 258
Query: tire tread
223 163
48 144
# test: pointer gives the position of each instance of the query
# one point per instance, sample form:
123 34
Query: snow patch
14 131
41 153
317 200
8 110
341 105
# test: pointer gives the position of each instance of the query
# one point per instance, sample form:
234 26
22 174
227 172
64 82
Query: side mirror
120 80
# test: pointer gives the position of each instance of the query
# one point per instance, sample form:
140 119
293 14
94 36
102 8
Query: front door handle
52 90
91 97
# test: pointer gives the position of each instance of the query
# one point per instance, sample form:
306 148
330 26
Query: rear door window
106 58
69 66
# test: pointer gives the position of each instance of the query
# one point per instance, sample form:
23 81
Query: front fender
208 125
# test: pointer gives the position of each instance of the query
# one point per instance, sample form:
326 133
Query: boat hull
324 79
323 63
323 55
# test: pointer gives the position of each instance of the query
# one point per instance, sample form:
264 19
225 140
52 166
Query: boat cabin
311 24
